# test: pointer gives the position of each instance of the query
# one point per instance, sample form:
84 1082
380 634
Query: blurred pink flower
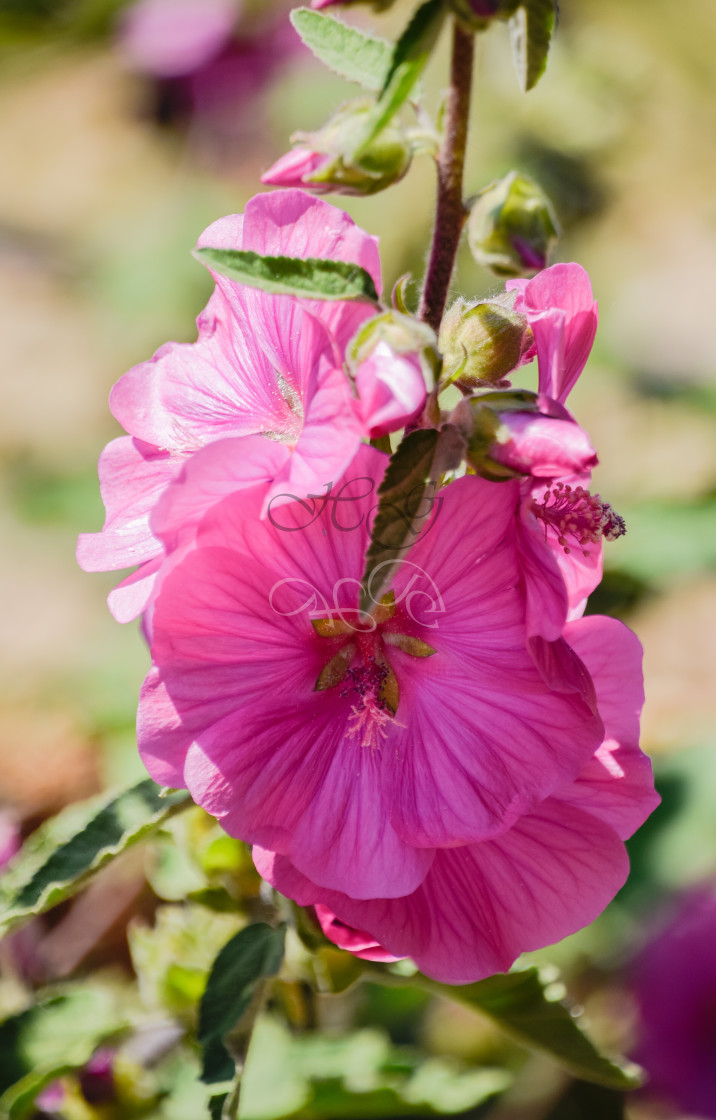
674 979
265 368
209 58
172 38
368 752
553 870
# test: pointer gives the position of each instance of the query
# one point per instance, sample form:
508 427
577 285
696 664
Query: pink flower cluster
451 776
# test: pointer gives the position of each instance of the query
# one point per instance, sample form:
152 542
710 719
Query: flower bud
390 356
519 433
512 227
483 342
323 162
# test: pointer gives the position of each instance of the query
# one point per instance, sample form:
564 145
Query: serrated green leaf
407 506
345 50
312 277
530 1009
410 54
250 957
400 504
531 32
56 861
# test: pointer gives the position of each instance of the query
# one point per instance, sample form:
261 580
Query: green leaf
312 278
407 63
346 50
407 506
529 1008
251 956
69 849
531 32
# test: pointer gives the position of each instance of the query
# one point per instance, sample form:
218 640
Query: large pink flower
263 365
362 751
481 905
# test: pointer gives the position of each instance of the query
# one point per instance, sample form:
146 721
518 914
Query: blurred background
119 147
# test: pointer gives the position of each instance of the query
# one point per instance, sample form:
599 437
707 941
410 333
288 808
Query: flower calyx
483 342
325 160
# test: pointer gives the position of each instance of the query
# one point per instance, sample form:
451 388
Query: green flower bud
324 161
512 227
481 343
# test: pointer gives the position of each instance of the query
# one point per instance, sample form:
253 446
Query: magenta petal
479 907
617 785
354 940
543 446
562 313
545 591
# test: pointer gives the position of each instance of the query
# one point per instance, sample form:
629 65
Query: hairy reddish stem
451 213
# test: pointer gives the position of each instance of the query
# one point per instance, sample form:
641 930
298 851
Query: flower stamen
576 515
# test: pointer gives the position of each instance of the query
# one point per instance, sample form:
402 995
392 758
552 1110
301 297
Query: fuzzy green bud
512 227
385 160
481 343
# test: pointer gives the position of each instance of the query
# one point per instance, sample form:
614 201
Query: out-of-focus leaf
410 54
346 50
250 957
56 1035
531 32
530 1008
311 277
69 849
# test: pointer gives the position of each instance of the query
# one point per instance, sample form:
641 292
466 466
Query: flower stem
451 213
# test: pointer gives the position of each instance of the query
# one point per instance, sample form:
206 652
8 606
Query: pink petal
544 447
354 940
292 168
479 907
132 475
562 312
617 785
132 596
293 223
209 476
391 388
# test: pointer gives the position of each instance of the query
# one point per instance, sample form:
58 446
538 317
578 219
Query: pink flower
674 979
171 38
481 905
264 368
397 757
391 390
562 313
